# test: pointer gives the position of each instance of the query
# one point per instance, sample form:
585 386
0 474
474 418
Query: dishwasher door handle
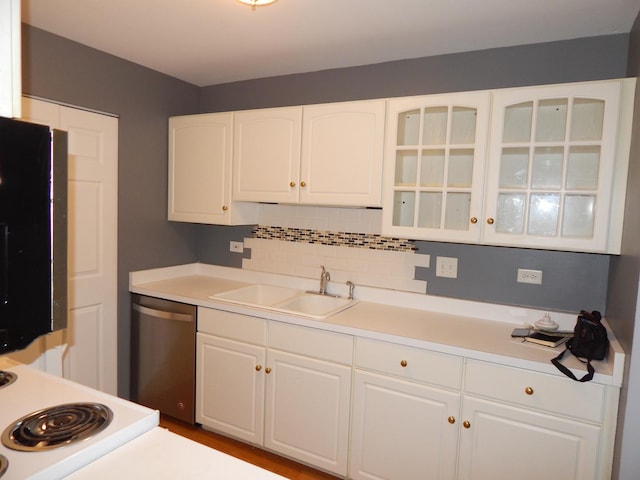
152 312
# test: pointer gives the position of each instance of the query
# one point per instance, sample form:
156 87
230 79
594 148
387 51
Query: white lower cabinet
531 425
400 430
411 413
505 442
418 414
307 416
290 394
404 415
230 374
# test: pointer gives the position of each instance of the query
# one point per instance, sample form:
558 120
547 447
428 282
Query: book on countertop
548 340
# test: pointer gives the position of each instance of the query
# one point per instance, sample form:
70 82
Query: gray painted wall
572 282
556 62
60 70
623 305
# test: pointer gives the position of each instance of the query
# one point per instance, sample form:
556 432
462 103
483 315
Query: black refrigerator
33 232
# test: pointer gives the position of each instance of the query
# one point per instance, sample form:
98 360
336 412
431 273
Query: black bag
589 342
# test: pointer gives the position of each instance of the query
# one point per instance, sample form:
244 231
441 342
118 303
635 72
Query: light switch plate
447 267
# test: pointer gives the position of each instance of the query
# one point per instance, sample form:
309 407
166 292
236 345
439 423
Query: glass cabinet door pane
435 126
409 127
552 120
430 210
514 168
547 167
463 125
583 168
456 216
406 168
587 118
460 173
517 123
543 214
432 168
403 208
579 214
510 212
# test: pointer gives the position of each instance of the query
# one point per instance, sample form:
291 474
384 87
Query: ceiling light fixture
257 3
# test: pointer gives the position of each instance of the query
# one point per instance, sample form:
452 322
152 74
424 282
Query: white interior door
86 352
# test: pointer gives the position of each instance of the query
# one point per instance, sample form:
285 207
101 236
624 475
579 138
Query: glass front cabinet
434 166
542 167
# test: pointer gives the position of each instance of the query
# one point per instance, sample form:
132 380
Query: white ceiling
207 42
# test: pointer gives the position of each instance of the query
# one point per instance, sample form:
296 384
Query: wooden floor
254 455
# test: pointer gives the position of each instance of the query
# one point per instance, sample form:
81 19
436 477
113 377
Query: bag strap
588 376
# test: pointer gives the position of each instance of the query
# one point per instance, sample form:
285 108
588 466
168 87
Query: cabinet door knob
403 363
292 184
303 184
466 424
473 220
267 370
225 208
451 419
490 221
528 391
258 368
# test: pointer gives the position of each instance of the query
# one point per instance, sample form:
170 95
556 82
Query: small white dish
546 324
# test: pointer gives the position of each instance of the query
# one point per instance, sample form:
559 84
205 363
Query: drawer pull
528 391
490 221
292 184
258 368
267 370
473 220
403 363
466 424
451 419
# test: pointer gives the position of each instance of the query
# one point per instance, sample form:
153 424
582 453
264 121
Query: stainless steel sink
286 300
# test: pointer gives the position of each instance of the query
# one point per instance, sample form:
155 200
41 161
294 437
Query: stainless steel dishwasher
163 356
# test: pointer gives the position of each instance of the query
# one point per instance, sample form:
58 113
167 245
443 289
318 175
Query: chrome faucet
324 278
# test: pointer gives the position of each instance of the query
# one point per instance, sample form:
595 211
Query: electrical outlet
236 247
529 276
447 267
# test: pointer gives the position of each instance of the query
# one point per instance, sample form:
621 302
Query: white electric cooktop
34 390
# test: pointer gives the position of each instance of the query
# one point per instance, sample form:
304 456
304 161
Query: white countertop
469 329
161 454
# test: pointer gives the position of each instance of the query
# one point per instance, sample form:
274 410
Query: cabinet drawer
410 363
535 390
232 325
334 347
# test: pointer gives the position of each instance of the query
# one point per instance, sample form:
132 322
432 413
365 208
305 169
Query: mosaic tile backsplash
341 239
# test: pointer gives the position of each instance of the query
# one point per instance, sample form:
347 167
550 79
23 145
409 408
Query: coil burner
57 426
7 378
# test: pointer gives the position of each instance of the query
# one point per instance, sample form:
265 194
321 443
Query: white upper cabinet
200 148
539 167
327 154
342 150
434 166
554 156
266 159
10 62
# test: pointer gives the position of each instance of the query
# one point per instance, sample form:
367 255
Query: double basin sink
286 300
